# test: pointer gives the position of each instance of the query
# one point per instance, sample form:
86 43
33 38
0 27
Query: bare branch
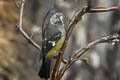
17 5
21 29
103 9
84 50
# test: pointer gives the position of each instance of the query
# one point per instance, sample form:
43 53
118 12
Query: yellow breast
53 51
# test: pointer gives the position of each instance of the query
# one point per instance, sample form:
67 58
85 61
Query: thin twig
22 31
103 9
72 18
64 60
84 50
17 5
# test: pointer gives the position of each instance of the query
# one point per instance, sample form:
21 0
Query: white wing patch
53 43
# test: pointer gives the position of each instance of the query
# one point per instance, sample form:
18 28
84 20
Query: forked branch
21 29
112 39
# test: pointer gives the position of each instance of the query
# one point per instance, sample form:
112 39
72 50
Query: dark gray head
57 19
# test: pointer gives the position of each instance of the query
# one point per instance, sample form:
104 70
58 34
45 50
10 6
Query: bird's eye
57 19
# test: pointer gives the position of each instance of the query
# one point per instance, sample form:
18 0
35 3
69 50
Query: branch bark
103 9
22 31
112 38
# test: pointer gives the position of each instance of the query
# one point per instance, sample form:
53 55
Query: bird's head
57 19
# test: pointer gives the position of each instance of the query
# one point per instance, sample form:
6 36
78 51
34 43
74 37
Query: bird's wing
50 43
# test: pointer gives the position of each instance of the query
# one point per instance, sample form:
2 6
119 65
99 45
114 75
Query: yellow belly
53 51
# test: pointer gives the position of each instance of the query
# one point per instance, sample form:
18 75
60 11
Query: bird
53 36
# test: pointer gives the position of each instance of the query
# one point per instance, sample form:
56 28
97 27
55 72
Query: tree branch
112 38
103 9
21 29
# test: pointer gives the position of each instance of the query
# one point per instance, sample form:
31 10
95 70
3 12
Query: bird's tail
45 69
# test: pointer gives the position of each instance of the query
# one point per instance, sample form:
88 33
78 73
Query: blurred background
19 60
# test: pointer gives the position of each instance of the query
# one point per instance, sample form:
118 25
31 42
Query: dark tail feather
45 69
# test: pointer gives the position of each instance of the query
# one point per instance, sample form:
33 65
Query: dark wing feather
47 46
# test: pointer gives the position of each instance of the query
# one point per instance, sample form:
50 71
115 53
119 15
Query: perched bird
53 34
